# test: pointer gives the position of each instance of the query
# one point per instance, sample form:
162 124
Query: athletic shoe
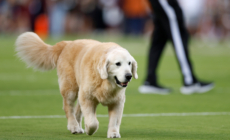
199 87
150 89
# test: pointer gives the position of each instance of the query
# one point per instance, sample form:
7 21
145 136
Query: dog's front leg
115 116
88 108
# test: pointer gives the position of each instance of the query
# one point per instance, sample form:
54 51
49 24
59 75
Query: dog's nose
128 76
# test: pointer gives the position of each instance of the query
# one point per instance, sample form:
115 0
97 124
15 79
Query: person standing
169 25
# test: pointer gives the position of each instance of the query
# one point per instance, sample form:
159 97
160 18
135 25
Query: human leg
159 39
179 36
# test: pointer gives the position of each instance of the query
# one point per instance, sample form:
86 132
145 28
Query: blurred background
26 92
205 19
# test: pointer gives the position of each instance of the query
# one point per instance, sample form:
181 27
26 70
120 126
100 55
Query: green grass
26 92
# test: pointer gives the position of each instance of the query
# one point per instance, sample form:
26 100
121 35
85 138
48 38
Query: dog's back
36 53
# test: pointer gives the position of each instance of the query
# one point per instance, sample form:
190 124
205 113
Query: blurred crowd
208 19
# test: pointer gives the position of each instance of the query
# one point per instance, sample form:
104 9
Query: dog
89 71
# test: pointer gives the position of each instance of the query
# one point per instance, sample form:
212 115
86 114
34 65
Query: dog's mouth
124 84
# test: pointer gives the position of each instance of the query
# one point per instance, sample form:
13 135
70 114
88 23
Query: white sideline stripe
126 115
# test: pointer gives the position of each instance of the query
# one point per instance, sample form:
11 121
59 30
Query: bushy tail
32 50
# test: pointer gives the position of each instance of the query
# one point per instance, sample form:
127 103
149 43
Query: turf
26 92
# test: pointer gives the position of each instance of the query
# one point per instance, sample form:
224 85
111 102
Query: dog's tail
32 50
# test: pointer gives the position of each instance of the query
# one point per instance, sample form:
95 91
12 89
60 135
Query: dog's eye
118 64
129 63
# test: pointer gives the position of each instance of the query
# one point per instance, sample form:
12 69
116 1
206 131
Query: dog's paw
91 128
75 129
79 131
113 135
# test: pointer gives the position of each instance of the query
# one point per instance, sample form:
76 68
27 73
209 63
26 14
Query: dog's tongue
124 84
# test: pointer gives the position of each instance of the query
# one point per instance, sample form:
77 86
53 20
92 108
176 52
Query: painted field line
57 92
125 115
29 92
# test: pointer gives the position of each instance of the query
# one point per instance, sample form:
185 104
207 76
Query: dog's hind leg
88 108
78 114
69 90
69 93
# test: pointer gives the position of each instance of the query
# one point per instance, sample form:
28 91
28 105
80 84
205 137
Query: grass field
25 92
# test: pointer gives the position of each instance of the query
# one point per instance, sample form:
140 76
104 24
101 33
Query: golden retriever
90 72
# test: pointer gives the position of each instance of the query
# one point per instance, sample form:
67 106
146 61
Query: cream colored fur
86 73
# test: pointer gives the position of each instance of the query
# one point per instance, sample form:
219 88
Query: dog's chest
106 98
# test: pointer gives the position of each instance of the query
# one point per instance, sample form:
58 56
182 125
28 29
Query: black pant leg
183 34
159 39
171 18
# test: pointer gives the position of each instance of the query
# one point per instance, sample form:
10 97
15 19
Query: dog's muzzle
123 84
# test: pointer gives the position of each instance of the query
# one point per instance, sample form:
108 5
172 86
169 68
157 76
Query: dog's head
118 66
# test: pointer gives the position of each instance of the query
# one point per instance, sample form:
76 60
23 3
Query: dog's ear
134 69
102 68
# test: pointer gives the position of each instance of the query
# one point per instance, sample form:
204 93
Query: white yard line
126 115
29 92
57 92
